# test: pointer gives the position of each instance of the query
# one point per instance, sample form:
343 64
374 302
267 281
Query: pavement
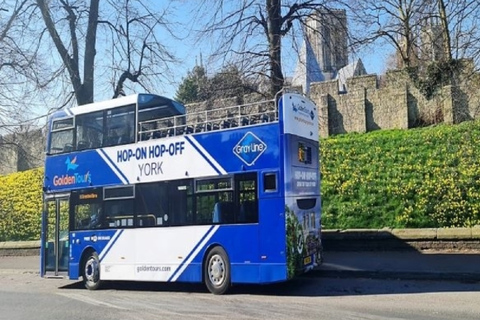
406 265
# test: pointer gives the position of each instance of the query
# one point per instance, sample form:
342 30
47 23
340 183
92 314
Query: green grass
428 177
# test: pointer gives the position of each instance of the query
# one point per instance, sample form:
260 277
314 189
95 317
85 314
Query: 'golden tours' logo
74 177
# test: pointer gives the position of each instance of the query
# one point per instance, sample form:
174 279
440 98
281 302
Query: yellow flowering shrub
21 205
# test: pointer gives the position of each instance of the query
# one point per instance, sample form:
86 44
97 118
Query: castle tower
327 33
432 40
324 51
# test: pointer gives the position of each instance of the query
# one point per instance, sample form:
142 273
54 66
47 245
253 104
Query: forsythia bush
21 205
428 177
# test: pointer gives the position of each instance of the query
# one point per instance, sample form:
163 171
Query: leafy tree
227 83
194 87
230 82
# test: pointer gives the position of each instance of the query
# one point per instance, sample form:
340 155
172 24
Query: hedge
21 205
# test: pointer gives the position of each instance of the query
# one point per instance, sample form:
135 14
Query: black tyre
91 272
217 271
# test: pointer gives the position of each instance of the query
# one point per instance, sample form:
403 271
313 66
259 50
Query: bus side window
89 130
248 212
120 123
270 182
119 207
152 205
216 213
223 212
97 220
246 191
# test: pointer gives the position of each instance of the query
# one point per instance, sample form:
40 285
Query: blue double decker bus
138 189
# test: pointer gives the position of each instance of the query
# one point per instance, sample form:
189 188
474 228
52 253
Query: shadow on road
306 286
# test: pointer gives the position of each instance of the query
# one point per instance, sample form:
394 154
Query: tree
420 31
71 58
447 45
19 77
252 31
394 21
227 83
56 51
128 32
194 87
230 82
138 51
460 28
18 57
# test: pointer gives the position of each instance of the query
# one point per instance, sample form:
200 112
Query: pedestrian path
403 264
20 264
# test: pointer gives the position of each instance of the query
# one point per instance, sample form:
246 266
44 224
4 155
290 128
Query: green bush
428 177
21 205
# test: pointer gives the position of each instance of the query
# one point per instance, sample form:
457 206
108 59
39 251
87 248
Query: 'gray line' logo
249 148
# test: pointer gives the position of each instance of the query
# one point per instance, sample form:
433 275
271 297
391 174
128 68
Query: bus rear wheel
217 271
91 272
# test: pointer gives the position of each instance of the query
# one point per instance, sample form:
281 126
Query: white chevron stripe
200 247
207 155
110 243
109 163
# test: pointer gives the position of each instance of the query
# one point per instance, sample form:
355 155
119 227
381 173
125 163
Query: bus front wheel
217 271
91 272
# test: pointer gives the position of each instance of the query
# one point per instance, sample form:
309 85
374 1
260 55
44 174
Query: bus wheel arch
90 269
217 270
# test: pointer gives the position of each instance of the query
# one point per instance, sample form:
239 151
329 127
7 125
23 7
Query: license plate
307 260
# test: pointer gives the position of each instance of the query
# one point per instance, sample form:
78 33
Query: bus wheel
217 271
91 272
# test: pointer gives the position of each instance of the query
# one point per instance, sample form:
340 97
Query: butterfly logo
71 164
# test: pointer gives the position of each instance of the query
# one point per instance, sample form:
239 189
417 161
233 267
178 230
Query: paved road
339 295
27 296
373 264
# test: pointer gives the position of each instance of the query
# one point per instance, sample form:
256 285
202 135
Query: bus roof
144 101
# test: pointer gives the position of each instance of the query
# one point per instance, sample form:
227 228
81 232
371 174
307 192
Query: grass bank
427 177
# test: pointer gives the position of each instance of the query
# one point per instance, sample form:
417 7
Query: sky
188 53
374 63
373 60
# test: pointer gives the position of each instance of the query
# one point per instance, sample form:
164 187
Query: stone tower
432 42
324 51
327 33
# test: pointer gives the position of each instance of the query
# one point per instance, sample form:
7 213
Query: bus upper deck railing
209 120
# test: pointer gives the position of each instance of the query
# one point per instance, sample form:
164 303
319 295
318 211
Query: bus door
54 243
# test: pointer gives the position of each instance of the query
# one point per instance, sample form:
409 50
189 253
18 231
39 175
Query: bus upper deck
143 117
209 120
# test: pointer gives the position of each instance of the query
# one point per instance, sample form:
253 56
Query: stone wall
398 104
22 151
467 95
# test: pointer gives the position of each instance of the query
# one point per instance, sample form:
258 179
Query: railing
209 120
